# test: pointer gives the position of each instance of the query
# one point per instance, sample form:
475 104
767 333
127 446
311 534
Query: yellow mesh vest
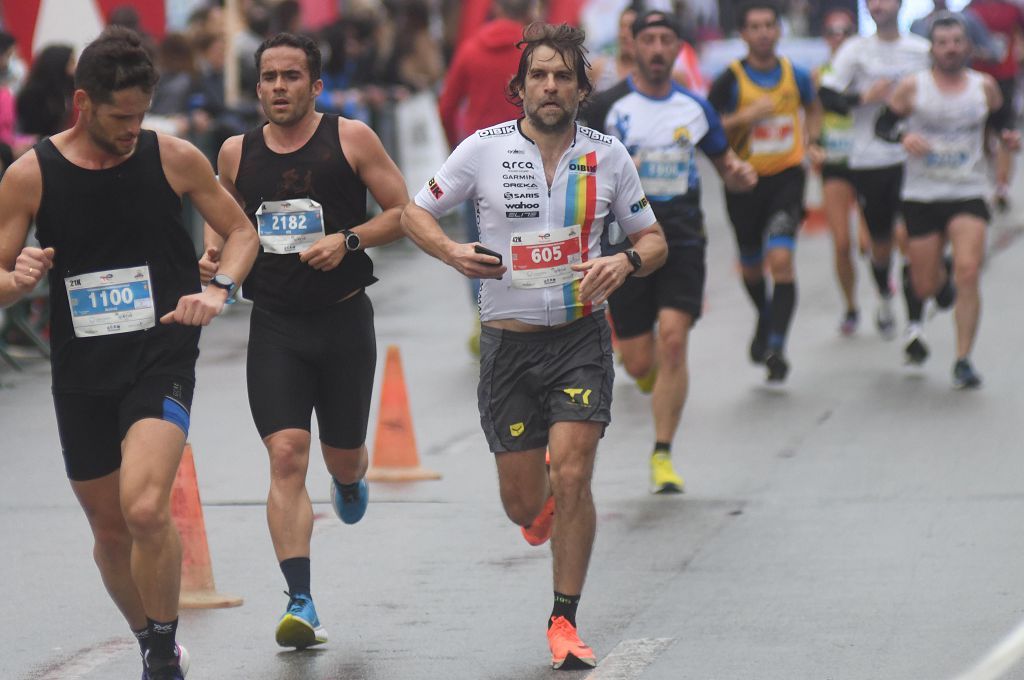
775 143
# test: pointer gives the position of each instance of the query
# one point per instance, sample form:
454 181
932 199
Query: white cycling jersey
540 231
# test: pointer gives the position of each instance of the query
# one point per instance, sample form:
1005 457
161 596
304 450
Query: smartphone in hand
481 250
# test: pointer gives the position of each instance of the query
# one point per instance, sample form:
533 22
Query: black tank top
318 171
100 220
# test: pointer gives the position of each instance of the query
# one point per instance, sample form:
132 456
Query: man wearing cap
662 124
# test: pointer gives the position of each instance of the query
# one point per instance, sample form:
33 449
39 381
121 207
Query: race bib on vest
948 162
838 138
664 172
111 302
289 227
773 135
545 259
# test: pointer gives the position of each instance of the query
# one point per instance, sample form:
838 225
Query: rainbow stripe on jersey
580 205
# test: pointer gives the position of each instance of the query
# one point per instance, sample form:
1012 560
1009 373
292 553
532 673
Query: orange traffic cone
197 588
394 449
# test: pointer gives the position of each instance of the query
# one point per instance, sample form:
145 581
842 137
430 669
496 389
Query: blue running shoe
300 627
171 669
350 502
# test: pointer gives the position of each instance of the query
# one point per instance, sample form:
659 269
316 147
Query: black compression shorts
769 215
92 426
321 361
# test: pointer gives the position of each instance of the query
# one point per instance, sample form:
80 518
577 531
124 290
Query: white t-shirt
859 63
540 232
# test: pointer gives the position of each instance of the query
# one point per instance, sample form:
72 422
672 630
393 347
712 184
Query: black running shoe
945 298
759 344
915 351
964 376
778 367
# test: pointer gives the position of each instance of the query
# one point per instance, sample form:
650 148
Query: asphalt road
860 523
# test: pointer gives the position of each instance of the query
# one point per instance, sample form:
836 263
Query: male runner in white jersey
662 124
864 72
544 188
946 182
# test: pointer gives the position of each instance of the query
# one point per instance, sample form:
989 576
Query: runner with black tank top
302 180
125 307
945 110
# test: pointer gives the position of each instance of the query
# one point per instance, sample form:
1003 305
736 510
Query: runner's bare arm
425 232
227 169
1009 135
189 172
365 153
738 174
21 267
603 275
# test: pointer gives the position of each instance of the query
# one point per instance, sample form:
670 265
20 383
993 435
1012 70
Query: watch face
352 241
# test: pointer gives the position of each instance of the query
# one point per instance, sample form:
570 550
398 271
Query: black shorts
92 426
840 171
678 284
769 215
530 380
322 361
878 192
934 216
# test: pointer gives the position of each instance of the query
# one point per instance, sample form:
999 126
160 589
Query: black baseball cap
656 18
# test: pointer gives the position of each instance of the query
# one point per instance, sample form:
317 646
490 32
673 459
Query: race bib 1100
111 302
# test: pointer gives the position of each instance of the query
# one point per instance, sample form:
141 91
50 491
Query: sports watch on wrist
634 260
224 281
352 240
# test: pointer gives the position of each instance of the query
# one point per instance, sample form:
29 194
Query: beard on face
107 145
560 124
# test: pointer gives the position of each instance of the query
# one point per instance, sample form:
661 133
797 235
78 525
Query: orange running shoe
539 530
567 650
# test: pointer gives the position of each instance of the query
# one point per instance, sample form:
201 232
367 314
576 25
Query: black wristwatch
224 281
634 259
352 240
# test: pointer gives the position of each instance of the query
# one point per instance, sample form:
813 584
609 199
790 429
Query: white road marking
1000 658
629 658
85 661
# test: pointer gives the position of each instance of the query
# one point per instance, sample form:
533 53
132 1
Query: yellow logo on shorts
516 429
574 392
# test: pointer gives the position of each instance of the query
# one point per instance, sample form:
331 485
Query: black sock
663 447
783 303
881 274
947 296
565 606
758 292
915 306
142 635
296 573
161 639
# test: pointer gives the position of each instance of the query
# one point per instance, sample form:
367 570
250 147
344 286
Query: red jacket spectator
477 79
1003 20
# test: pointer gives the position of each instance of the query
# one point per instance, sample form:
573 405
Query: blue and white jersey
663 135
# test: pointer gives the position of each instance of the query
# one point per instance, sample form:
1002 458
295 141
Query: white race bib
664 172
289 227
544 259
948 163
111 302
773 135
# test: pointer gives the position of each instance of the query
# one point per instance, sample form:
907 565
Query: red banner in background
20 17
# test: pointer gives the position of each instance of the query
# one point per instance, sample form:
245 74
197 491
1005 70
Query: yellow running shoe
567 650
664 478
646 383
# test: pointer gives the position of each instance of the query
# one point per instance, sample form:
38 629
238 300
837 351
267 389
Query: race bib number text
545 259
289 227
111 302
